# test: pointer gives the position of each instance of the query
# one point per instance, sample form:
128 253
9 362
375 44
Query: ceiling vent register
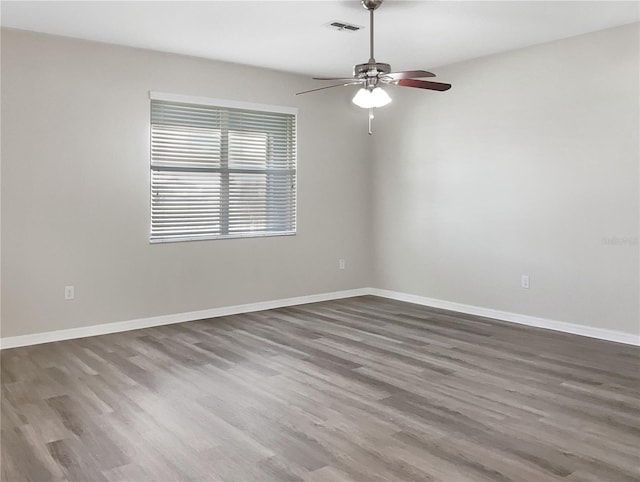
344 26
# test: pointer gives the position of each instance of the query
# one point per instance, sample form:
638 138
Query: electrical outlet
524 281
341 264
69 292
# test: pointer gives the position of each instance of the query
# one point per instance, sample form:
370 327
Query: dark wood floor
361 389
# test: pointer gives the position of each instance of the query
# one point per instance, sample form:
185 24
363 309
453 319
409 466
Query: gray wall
75 190
529 165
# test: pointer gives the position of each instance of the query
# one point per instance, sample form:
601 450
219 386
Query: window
221 169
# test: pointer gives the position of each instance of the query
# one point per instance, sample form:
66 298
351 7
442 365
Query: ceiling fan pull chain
370 119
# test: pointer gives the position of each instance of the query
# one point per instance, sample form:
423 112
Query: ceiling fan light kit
370 99
371 74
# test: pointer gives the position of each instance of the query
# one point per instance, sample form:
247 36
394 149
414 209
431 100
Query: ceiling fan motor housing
370 69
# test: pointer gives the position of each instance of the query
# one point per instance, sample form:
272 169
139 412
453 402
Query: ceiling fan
372 75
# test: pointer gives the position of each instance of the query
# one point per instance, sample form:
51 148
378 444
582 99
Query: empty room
323 241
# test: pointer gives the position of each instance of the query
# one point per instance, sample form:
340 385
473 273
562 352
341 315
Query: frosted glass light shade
362 98
368 99
380 97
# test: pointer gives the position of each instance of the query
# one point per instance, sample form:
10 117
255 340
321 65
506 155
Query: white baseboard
119 326
592 332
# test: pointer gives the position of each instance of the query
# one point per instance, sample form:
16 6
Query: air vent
344 26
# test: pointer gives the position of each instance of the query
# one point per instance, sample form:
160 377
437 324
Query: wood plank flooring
362 389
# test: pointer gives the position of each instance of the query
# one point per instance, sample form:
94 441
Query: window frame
224 169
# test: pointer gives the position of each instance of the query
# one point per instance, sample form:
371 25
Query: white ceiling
293 35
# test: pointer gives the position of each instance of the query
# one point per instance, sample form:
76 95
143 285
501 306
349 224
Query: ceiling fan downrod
372 59
371 69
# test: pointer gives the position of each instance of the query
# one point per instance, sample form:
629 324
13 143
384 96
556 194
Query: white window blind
220 172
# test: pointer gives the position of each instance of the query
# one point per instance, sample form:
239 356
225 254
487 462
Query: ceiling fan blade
407 74
424 84
346 79
328 87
